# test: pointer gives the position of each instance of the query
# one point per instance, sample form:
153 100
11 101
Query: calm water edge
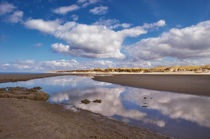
182 116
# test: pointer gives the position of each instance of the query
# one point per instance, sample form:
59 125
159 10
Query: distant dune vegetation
197 69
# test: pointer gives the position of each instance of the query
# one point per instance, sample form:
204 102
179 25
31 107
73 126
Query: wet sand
193 84
26 118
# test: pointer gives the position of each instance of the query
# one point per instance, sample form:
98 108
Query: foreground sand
185 83
24 118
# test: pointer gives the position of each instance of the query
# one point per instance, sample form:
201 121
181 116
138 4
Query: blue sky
42 35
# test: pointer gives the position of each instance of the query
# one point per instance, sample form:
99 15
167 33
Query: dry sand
24 118
184 83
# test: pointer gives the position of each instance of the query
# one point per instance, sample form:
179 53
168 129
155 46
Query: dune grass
197 69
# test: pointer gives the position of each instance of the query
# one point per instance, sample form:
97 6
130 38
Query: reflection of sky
188 107
165 112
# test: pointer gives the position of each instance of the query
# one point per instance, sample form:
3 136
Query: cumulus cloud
112 23
74 17
81 1
80 4
100 10
6 8
85 3
160 23
43 26
59 64
16 17
31 65
8 11
38 66
190 42
19 65
60 48
96 41
66 9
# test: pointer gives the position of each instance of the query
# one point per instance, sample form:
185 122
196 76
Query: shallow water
182 116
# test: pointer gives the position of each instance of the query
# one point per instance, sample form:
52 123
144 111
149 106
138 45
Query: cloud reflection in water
111 103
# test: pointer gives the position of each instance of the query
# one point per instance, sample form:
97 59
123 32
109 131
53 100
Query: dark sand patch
23 93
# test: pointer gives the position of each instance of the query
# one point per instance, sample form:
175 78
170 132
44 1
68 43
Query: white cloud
16 17
66 9
60 48
43 26
39 66
125 25
11 15
80 4
59 64
190 42
158 24
81 1
100 10
6 8
86 40
75 17
19 65
112 23
85 3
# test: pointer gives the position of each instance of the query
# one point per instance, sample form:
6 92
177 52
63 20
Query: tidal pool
182 116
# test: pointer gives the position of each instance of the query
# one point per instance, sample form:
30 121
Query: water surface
182 116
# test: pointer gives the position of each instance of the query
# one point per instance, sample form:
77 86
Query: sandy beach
184 83
26 118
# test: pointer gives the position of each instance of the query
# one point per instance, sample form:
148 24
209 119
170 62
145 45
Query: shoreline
24 118
7 77
139 73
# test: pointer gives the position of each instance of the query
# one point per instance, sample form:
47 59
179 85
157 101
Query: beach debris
23 93
85 101
97 101
145 97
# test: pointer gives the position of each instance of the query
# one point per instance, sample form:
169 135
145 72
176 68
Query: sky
48 35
